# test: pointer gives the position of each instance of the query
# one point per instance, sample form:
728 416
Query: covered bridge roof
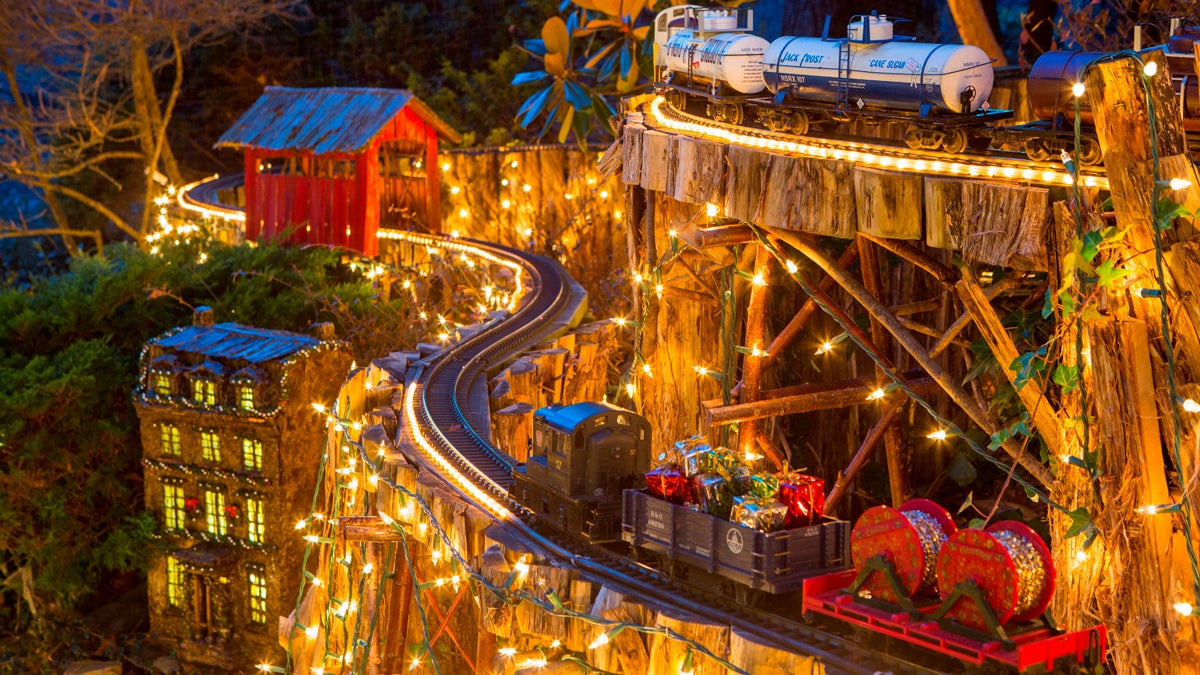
236 341
325 120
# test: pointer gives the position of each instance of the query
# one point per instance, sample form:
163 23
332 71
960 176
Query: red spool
908 537
1011 565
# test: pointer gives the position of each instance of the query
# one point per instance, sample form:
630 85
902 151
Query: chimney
202 316
323 330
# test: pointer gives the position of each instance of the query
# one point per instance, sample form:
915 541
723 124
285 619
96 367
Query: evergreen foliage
69 349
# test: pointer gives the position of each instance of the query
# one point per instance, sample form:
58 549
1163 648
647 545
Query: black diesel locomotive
582 457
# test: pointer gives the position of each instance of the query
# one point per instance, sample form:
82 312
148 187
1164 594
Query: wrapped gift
712 494
764 487
693 455
669 483
767 515
804 497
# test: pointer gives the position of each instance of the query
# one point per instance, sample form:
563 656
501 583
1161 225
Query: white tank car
879 71
708 43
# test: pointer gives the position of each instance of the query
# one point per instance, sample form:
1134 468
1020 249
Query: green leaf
531 76
1048 305
1109 274
1066 377
533 106
966 503
976 523
1081 520
1091 245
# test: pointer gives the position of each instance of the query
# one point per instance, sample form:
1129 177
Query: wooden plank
749 171
944 212
699 171
888 204
631 154
812 195
1005 225
667 655
657 161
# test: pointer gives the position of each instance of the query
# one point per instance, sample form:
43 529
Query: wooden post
845 478
895 445
752 366
1046 419
980 416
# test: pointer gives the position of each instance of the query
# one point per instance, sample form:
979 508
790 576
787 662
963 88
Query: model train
937 93
978 596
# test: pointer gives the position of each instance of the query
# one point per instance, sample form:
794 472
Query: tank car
582 456
709 53
940 90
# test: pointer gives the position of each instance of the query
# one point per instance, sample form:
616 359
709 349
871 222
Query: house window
254 520
214 512
210 446
246 397
174 582
252 454
168 435
173 506
257 579
162 384
204 392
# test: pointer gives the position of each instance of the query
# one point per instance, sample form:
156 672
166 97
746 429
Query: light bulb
1184 608
939 435
1150 69
1077 89
1179 183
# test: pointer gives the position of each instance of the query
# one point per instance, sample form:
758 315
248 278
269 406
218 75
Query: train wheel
1090 153
913 139
677 99
1037 150
799 123
955 141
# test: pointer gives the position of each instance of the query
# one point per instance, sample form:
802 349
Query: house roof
235 341
325 120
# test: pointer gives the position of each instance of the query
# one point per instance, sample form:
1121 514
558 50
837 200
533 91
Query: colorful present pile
719 482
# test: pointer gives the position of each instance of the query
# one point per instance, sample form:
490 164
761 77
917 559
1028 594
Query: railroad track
437 403
994 165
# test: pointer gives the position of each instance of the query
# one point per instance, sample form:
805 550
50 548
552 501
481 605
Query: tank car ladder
843 76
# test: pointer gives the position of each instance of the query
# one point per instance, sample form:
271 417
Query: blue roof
567 417
325 120
235 341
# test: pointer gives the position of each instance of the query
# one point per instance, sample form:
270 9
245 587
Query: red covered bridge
333 165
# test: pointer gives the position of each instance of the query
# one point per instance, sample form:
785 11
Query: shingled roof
235 341
325 120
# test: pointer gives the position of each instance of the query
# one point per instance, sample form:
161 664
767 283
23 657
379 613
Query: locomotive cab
582 457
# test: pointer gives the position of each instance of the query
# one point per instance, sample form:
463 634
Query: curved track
441 395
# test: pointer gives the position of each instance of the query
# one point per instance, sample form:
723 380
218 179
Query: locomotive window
642 434
600 421
622 420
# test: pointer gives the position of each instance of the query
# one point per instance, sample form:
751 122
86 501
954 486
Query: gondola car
582 456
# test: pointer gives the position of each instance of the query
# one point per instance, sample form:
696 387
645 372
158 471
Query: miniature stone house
232 447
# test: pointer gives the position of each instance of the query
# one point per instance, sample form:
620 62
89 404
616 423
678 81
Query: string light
1184 608
1077 89
711 210
507 651
600 641
825 348
312 632
877 394
758 280
1191 406
939 435
1150 69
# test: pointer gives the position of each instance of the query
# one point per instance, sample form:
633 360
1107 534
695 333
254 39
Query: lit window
252 454
210 446
168 434
214 512
254 520
246 397
258 595
162 384
204 392
173 506
174 582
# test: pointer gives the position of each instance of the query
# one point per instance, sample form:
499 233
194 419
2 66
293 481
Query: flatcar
582 457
